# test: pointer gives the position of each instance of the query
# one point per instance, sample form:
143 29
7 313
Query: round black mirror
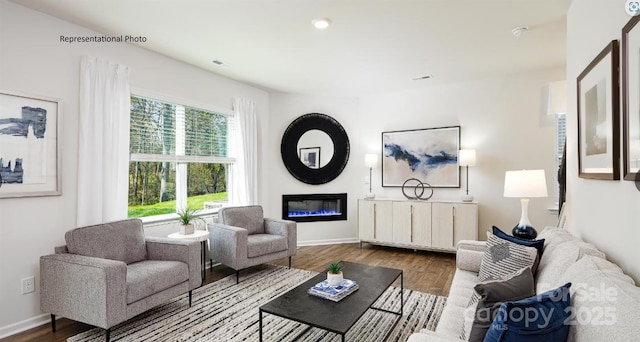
308 164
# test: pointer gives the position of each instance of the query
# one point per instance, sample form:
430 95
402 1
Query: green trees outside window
178 156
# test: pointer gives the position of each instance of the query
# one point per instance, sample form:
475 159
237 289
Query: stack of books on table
334 293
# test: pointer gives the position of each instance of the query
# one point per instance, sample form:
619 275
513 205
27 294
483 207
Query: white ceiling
372 46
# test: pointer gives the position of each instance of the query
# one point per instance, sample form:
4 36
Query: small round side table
198 235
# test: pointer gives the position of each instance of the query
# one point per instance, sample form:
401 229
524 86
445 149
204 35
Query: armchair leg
237 277
289 262
53 323
190 293
108 334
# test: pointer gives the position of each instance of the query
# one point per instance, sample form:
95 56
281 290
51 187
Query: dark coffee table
337 317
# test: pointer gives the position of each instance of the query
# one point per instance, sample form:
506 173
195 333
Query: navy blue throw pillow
543 317
537 244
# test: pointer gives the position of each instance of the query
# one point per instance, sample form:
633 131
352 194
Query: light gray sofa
109 273
243 238
605 301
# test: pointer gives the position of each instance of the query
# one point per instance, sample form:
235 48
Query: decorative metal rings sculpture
421 185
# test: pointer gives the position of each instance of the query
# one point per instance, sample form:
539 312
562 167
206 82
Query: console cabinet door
453 222
402 222
465 222
365 220
412 223
375 220
442 232
422 227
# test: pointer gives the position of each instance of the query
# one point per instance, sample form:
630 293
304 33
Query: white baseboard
327 242
21 326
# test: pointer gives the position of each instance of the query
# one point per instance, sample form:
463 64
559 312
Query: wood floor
423 271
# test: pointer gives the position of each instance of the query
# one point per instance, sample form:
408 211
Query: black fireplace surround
314 207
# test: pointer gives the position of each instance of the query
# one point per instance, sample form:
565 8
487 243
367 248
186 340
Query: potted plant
186 216
334 274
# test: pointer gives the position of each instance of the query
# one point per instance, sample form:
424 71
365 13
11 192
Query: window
179 156
560 140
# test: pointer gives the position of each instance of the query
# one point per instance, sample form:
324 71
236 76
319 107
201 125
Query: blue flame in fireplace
301 213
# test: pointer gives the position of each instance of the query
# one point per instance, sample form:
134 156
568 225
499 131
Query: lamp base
524 232
370 195
467 198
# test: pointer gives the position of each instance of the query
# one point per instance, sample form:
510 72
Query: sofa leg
108 334
53 323
237 277
289 262
190 293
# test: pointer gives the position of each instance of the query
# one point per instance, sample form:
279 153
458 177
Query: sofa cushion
558 257
262 244
119 240
554 236
148 277
489 295
539 318
249 217
605 302
452 318
537 244
503 257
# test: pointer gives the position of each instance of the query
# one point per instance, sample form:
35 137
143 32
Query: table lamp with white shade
467 158
525 184
371 161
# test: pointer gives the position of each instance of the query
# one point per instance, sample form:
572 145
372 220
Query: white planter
187 229
334 279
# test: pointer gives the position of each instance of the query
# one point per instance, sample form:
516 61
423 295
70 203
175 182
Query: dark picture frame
631 104
429 155
310 156
599 116
30 151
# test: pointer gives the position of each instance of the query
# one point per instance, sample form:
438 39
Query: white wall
602 212
33 61
502 118
283 109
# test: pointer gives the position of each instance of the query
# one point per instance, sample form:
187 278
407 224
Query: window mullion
181 168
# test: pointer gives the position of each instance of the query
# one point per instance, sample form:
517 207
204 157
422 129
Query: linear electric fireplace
314 207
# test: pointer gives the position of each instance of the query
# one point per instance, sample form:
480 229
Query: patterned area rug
224 311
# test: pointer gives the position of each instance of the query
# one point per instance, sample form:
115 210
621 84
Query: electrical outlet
28 285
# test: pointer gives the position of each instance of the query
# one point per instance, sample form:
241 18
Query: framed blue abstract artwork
29 145
430 155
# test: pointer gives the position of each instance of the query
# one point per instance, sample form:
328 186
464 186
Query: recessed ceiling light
423 77
518 31
321 23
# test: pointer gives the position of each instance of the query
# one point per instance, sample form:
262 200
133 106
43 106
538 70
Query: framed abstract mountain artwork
29 145
429 155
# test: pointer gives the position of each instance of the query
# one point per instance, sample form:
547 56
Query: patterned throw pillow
502 257
487 298
537 244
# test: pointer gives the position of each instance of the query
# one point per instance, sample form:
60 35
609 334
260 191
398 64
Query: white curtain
103 153
244 173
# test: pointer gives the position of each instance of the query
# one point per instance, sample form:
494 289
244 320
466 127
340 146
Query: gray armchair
109 273
243 238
